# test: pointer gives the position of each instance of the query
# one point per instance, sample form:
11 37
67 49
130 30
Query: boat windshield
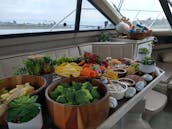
37 16
30 16
170 5
149 12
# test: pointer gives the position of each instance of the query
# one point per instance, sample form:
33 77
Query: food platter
119 76
126 104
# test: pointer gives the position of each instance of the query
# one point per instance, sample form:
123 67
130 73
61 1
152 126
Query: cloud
35 9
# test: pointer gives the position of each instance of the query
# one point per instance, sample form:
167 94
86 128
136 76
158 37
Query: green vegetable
47 60
20 71
59 89
61 60
36 66
33 66
148 61
105 36
23 109
56 92
53 95
75 93
87 85
36 69
143 50
65 85
47 66
135 66
69 94
95 93
61 99
76 86
83 96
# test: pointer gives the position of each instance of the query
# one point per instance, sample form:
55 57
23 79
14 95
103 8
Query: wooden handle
3 108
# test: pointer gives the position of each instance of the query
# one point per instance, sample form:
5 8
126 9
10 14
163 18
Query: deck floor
163 120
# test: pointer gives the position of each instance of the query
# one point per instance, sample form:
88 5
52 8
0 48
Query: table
115 114
125 105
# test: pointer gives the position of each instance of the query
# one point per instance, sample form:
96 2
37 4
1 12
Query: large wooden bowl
37 81
87 116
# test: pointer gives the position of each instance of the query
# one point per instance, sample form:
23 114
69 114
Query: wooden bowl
121 72
38 82
136 78
129 82
87 116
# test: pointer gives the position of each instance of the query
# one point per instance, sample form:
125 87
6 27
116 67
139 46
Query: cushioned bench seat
155 102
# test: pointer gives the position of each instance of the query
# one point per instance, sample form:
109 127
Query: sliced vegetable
68 69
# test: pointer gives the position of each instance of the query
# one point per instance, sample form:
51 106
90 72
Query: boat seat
133 119
138 117
155 102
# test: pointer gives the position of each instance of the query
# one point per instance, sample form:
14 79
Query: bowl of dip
117 89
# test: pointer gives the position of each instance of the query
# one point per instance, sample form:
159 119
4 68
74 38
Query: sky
152 5
33 10
56 10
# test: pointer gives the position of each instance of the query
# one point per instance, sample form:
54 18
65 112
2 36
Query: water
19 31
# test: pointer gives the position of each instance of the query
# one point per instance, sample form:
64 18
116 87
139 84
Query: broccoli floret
65 85
69 95
54 94
87 85
94 100
75 93
61 99
59 89
76 85
95 93
83 96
